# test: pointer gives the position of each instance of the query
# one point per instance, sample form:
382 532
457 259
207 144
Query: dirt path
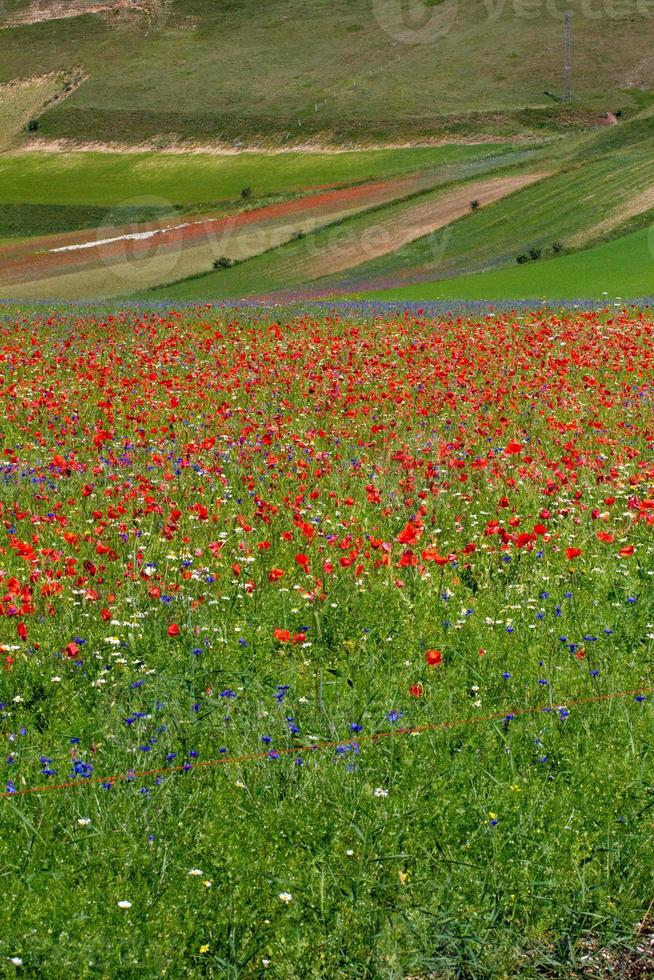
39 144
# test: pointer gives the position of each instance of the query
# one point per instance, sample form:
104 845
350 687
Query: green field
621 269
110 179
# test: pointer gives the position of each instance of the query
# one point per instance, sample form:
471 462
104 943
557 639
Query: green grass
110 179
621 268
282 72
26 220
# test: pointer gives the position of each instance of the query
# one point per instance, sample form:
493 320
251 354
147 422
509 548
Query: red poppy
434 658
173 629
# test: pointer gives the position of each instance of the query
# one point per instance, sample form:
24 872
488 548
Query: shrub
474 205
535 252
223 263
33 125
522 258
246 193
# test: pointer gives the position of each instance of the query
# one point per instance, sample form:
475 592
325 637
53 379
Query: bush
535 253
474 205
521 259
246 193
33 125
557 248
223 263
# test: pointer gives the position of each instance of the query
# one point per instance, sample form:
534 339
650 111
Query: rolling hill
325 70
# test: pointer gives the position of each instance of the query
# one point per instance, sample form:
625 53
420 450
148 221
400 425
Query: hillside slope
343 70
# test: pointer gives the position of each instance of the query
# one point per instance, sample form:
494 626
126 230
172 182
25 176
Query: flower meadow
326 642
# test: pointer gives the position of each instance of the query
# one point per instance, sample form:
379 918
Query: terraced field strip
343 246
108 262
110 179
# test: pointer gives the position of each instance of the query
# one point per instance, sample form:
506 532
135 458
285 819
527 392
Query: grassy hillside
622 269
343 69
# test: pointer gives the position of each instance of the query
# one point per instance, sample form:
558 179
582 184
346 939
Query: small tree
33 125
246 193
474 205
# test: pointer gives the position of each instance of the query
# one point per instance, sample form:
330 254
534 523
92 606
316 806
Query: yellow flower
404 876
204 949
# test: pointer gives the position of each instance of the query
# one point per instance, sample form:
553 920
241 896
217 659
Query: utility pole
567 57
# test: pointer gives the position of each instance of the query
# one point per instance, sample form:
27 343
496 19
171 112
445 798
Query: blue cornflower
394 715
506 676
228 693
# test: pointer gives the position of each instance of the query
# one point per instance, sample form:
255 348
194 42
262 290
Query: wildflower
124 904
286 897
380 792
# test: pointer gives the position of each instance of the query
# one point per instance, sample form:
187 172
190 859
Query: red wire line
320 746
